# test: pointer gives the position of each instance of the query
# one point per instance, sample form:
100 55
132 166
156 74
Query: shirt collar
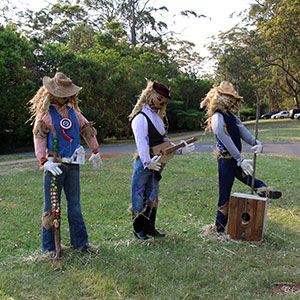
147 107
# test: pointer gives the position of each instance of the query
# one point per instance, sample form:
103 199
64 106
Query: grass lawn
183 265
281 130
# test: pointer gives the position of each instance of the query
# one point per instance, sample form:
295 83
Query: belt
66 160
222 154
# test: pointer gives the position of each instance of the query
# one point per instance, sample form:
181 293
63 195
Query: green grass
11 157
287 130
272 131
282 130
183 265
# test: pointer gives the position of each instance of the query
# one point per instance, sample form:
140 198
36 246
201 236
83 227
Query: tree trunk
133 23
296 101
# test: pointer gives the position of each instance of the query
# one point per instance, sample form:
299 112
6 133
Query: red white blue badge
65 124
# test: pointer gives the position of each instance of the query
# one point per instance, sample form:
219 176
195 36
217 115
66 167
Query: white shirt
217 124
140 130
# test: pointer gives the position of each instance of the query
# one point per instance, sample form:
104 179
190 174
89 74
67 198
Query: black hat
161 89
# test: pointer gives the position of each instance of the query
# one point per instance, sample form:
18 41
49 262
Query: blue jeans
144 187
228 170
69 180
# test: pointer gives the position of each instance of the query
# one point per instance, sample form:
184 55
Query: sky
196 30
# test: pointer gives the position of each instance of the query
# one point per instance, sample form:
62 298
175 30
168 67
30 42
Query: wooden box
247 217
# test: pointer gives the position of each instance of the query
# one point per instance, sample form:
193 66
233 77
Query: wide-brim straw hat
60 85
227 88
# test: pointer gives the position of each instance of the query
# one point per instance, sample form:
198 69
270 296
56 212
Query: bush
248 114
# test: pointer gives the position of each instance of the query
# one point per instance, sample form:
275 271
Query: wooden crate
247 217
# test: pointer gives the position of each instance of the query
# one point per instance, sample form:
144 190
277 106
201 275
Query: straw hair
144 98
216 100
42 100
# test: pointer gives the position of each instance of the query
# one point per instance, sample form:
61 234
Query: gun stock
166 150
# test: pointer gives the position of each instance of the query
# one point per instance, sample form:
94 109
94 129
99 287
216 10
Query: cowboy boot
139 227
150 225
221 221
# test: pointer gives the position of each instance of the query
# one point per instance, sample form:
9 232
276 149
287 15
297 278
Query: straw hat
227 88
60 85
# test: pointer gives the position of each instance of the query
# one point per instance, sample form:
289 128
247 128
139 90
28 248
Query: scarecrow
149 131
229 130
58 124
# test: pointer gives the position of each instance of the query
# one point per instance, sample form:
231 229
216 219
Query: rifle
165 150
54 200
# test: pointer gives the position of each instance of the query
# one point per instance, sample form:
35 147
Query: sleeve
40 133
88 132
217 123
40 147
244 132
140 130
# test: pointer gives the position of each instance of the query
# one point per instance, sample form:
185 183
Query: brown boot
268 192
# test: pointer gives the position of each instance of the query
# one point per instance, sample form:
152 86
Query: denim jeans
69 180
144 187
228 170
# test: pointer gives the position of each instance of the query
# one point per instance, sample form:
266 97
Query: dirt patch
112 155
11 169
286 288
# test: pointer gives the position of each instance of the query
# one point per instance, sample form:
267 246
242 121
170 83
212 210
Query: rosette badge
65 124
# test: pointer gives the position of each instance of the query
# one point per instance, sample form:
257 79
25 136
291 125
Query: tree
278 24
261 58
16 88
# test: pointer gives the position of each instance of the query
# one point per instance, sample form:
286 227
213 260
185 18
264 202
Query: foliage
278 26
248 114
16 61
183 112
97 51
191 119
261 58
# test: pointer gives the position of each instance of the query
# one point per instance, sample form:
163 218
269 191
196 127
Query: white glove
247 168
188 148
96 159
154 163
258 148
52 167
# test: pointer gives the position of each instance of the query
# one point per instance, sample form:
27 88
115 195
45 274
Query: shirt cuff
239 161
146 165
43 160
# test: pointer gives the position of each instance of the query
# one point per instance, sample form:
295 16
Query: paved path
284 149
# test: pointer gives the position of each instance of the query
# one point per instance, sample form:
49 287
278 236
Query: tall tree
278 24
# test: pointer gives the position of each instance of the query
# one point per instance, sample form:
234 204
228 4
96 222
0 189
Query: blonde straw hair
42 100
144 98
214 100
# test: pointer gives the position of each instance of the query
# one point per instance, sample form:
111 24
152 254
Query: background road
285 149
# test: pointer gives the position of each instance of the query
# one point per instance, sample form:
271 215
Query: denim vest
65 148
232 130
